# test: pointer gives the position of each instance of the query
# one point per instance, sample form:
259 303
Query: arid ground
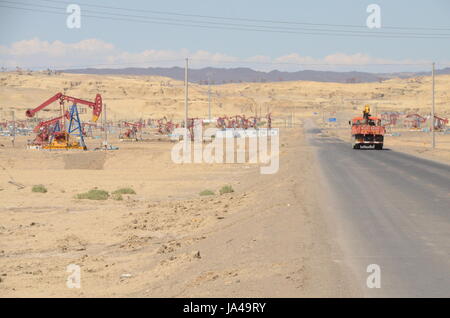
165 240
268 238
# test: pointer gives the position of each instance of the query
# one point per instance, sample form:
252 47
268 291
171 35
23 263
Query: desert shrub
226 189
94 194
39 188
124 191
117 197
206 192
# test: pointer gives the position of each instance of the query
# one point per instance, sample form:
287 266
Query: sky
138 33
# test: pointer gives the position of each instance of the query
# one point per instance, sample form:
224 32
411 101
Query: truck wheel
379 146
356 146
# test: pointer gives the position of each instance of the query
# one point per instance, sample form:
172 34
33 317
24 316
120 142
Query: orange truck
367 131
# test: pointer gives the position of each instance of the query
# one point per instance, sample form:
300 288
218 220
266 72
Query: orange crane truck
367 131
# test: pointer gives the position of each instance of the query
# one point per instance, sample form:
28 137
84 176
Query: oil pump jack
53 133
132 129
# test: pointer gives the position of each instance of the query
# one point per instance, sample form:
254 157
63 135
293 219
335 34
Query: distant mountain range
242 74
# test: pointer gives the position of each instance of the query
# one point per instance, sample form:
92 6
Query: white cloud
35 53
56 48
38 54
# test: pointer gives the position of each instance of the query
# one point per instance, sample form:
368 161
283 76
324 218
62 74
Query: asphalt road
390 209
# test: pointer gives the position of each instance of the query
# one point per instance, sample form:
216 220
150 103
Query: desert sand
167 240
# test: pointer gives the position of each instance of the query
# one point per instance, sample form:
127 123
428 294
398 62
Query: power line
248 19
326 32
237 25
268 27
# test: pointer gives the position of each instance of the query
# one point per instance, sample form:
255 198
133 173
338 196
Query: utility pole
186 103
209 100
105 141
433 143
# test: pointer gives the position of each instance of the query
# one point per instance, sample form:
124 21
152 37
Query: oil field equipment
131 132
55 133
